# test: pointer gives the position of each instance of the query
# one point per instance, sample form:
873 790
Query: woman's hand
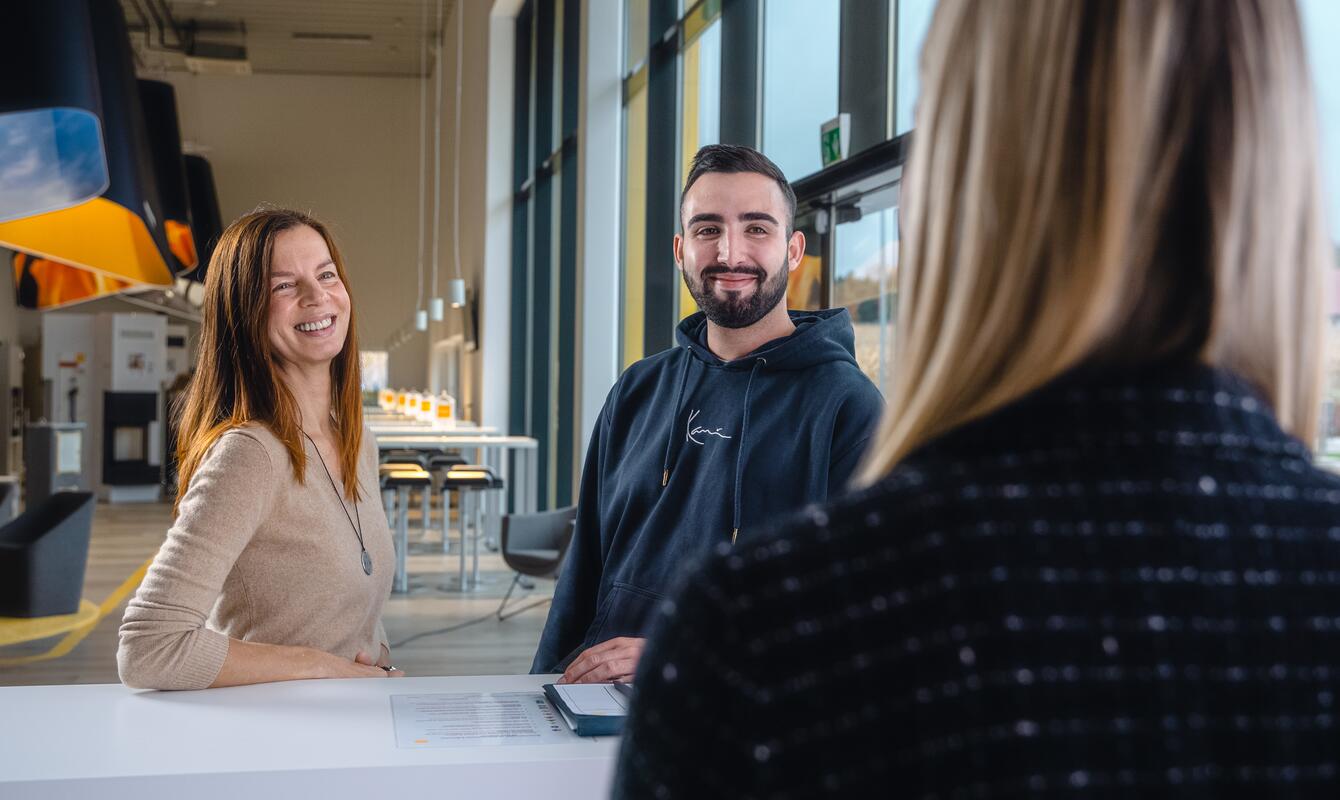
383 663
253 662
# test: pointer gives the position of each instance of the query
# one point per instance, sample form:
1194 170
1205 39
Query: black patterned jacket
1125 585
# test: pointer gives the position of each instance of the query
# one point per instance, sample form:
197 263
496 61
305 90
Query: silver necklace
358 528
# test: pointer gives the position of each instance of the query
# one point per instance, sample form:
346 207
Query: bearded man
757 412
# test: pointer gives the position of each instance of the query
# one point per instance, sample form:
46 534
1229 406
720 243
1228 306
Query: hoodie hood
820 337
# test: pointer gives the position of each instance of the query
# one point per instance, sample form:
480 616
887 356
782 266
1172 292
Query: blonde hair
1106 183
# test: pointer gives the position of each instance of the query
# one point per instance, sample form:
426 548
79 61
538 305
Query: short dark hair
732 158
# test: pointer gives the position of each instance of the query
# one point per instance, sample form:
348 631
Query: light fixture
159 100
117 235
206 220
49 107
423 112
457 288
421 320
436 303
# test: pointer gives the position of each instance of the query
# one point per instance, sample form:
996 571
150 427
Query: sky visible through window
1321 28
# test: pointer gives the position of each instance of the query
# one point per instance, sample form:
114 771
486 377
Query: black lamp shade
159 100
51 140
206 220
119 234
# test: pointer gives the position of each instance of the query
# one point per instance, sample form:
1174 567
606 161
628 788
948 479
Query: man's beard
735 311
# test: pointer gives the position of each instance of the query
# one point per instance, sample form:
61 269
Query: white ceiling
392 28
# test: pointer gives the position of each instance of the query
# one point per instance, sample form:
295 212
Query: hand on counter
381 665
611 660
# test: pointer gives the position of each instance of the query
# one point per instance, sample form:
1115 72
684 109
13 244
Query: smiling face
735 253
309 306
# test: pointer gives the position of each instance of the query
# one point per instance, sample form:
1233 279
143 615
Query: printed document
474 719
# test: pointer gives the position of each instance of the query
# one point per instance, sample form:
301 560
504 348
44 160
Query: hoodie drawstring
674 418
739 456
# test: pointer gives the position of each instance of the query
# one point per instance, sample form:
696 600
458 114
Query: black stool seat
405 457
470 476
397 475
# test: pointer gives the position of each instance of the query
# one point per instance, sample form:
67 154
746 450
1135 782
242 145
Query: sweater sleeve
164 641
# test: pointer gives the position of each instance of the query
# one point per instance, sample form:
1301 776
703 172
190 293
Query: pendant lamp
51 140
206 220
119 233
43 284
159 100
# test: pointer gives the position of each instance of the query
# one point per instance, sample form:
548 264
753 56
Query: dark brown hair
733 158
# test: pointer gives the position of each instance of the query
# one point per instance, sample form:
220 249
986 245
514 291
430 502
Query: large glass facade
635 224
865 277
700 119
914 19
800 80
544 239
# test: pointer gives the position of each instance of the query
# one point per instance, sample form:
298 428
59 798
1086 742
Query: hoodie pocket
628 612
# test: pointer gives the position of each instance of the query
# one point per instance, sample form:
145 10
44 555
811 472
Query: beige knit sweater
256 556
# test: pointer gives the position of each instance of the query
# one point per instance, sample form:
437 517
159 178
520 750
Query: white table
299 739
410 427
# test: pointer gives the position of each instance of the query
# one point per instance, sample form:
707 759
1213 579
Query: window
800 81
544 239
634 223
914 19
865 278
373 364
1321 29
700 119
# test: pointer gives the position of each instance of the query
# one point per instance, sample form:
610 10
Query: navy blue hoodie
688 451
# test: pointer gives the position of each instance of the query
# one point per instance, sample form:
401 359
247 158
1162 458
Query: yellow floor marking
74 637
26 629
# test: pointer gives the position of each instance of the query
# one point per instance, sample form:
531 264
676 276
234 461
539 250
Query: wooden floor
125 536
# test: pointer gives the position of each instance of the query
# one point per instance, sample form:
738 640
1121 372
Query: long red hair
237 378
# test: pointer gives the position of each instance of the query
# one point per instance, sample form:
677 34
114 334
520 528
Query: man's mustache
755 272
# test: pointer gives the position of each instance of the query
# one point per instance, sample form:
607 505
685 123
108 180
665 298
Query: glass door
865 275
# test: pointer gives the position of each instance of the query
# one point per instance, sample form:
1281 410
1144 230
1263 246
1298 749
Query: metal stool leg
427 499
478 508
462 503
446 521
402 539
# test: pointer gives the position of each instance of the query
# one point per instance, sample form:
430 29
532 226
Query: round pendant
367 562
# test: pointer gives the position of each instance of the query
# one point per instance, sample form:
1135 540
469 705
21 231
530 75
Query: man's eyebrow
758 216
696 218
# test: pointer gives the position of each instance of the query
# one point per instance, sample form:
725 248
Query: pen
625 689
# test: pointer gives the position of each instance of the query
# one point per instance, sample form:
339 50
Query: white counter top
291 739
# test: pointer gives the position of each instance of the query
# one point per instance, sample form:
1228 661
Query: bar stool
421 459
438 465
397 479
470 482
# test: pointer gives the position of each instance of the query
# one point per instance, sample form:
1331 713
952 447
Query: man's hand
611 660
